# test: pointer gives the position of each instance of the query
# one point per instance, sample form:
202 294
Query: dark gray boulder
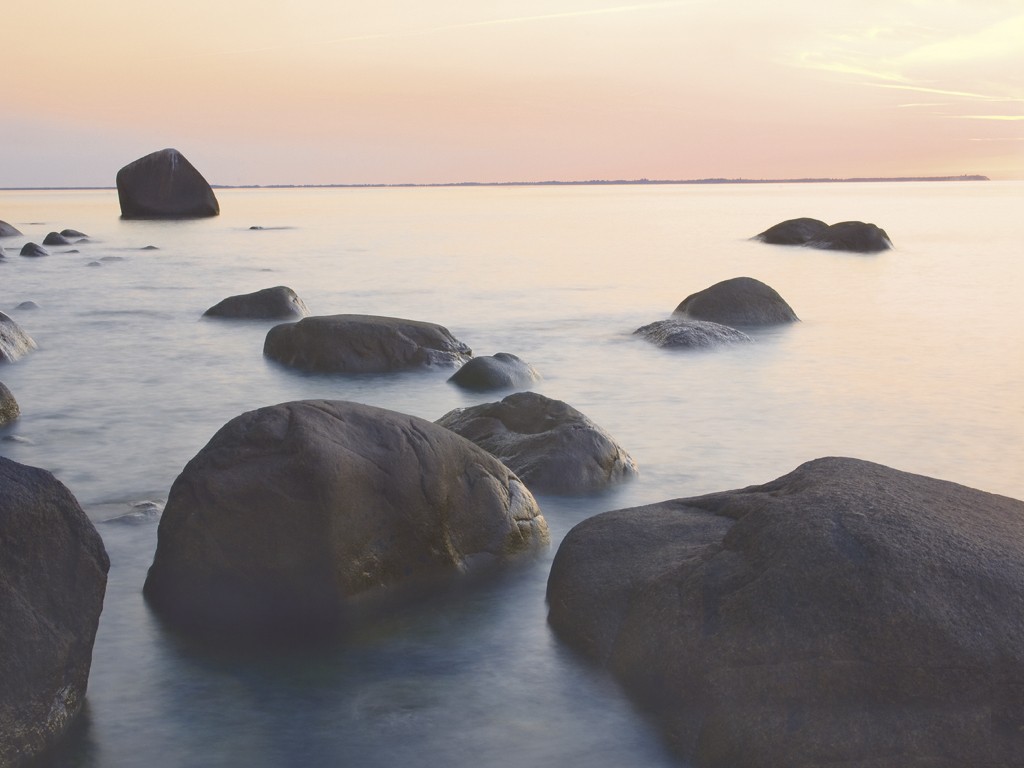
72 234
55 238
29 304
856 236
9 409
844 614
549 444
164 185
363 344
53 576
683 333
792 232
14 342
501 370
297 517
277 303
34 250
6 230
741 301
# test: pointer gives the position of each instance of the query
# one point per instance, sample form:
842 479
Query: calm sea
913 358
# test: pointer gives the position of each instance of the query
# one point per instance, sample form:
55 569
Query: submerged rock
14 342
844 614
33 250
689 334
9 410
549 444
72 233
792 232
6 230
499 371
854 236
53 576
741 301
164 185
275 303
363 344
296 517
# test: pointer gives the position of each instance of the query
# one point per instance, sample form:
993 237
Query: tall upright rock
164 185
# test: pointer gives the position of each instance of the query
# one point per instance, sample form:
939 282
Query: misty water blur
913 358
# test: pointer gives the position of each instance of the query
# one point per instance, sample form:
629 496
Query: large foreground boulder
277 303
856 236
9 410
683 333
363 344
53 575
792 232
741 301
550 445
295 517
501 370
846 614
164 185
14 342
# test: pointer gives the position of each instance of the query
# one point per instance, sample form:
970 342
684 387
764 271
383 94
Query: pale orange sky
390 91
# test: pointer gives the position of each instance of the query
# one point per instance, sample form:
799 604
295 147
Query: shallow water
913 358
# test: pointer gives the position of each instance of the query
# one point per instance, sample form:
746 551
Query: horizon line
589 182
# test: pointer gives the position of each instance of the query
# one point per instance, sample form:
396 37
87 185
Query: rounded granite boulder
55 238
792 232
856 236
844 614
741 301
6 230
14 342
33 250
363 344
164 185
549 444
53 576
277 303
501 370
296 518
683 333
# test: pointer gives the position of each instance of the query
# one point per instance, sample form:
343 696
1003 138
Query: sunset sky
391 91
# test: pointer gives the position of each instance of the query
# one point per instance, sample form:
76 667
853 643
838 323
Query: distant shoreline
591 182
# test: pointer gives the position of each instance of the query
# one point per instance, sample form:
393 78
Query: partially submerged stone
740 301
14 342
856 236
164 185
277 303
297 517
363 344
844 614
683 333
53 575
549 444
792 232
501 370
33 250
6 230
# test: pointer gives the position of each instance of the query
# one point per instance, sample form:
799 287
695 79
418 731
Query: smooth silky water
912 357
